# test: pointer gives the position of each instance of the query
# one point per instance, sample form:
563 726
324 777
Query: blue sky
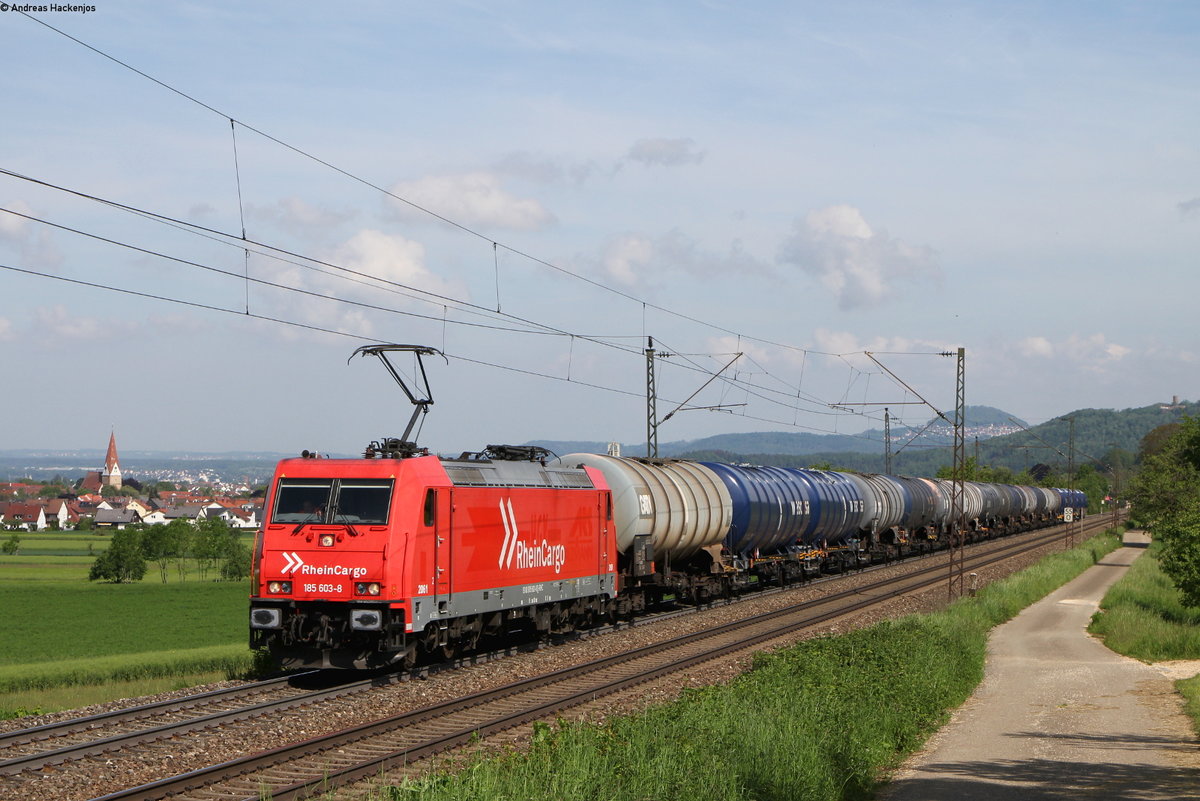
534 188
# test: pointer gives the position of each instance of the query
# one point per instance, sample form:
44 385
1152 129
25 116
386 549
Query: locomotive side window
430 507
301 501
363 501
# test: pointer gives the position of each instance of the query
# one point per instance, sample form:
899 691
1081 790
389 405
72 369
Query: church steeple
112 471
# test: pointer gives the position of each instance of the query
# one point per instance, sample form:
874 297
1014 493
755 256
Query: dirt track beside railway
1059 716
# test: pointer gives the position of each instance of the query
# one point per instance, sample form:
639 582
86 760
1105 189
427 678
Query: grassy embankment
821 720
1142 616
67 642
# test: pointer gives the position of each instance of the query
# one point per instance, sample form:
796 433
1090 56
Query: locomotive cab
328 562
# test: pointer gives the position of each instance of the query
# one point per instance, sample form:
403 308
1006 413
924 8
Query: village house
29 516
116 518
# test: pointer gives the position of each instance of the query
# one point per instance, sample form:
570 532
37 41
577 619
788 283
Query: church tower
111 477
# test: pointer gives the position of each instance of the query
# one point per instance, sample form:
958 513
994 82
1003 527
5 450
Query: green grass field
87 544
68 641
1142 615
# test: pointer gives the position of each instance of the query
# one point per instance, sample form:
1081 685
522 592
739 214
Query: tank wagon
380 560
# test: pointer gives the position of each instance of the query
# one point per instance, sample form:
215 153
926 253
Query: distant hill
1100 434
981 421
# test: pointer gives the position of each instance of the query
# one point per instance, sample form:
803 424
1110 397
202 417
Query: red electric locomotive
368 562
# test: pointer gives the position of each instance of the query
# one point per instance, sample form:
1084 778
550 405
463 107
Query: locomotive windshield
354 501
301 501
363 502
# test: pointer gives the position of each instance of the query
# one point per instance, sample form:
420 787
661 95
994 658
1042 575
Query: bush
123 562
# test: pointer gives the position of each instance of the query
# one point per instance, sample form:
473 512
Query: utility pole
652 421
651 403
957 553
887 443
1071 479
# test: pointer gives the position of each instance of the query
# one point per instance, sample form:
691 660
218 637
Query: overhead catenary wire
446 302
345 273
418 207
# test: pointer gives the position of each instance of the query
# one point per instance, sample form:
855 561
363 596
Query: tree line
1166 501
210 544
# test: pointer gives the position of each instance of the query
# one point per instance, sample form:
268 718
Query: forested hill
1103 435
1103 438
983 421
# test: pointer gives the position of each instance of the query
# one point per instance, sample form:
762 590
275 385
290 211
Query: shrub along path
1059 716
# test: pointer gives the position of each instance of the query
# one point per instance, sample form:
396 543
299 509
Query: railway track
321 763
57 743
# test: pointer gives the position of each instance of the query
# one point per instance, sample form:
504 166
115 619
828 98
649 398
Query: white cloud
297 216
1036 346
12 227
544 170
384 271
848 342
665 152
55 325
6 330
475 198
36 247
860 266
1092 352
726 346
627 258
389 258
638 259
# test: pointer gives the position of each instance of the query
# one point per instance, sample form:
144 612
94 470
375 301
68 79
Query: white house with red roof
29 516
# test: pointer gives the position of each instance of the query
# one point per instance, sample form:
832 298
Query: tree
12 545
1156 440
161 544
1166 499
237 560
209 543
124 561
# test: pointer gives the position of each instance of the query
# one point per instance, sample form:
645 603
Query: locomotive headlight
366 588
279 588
327 540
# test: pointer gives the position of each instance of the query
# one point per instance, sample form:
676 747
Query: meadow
1143 616
67 642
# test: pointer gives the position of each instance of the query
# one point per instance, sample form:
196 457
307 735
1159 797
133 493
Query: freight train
401 555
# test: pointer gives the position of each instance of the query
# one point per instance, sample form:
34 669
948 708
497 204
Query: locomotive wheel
409 660
430 638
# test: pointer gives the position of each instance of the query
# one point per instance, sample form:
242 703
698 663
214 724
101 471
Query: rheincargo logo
333 570
294 564
528 556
